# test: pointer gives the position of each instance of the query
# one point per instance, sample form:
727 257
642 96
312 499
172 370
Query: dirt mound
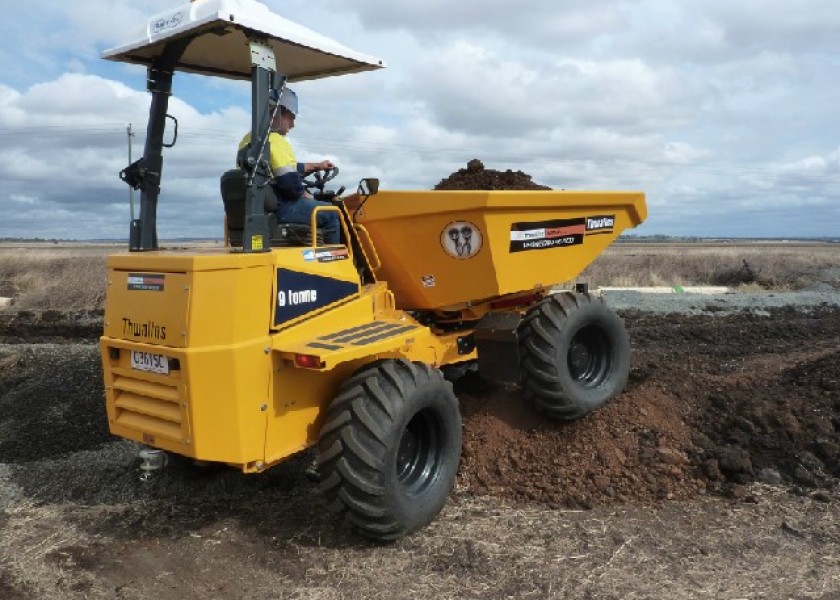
713 403
632 450
476 177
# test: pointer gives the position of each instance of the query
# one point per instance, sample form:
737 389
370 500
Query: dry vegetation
770 266
72 276
60 279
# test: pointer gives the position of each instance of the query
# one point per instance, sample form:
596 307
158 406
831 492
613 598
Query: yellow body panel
233 393
343 338
422 264
206 312
193 287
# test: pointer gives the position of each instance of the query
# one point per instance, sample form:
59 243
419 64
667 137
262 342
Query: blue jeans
300 211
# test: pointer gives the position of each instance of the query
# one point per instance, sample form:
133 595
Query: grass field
71 276
771 266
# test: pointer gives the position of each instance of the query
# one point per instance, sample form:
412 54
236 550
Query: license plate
146 361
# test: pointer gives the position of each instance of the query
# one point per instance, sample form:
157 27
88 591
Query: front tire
389 448
575 355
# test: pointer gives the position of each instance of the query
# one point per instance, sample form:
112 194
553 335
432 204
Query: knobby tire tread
353 439
539 334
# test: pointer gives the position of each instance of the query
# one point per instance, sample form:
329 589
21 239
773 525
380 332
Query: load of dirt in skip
476 177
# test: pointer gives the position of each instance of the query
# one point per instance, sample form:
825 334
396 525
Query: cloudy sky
723 112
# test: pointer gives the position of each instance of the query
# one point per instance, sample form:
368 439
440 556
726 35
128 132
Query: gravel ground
718 304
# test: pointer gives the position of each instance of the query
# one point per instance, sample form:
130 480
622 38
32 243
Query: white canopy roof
221 46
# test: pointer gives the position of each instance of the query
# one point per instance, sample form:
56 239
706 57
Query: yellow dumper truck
247 354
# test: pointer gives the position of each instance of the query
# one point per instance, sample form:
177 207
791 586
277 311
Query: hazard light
307 361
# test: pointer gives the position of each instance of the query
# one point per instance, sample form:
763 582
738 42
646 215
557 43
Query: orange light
307 361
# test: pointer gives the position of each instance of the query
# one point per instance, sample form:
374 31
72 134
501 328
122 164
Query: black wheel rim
589 356
420 453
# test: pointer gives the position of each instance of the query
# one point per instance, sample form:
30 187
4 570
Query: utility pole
130 135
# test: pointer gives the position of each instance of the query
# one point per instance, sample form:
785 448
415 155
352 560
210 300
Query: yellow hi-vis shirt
286 172
282 159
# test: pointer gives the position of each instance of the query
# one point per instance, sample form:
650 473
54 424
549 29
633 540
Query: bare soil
713 476
712 404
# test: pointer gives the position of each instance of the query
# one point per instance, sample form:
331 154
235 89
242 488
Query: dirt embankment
713 403
49 326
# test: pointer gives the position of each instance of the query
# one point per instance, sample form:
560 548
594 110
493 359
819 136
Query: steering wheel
318 179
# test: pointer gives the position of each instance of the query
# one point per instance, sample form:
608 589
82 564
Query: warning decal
558 233
147 282
547 234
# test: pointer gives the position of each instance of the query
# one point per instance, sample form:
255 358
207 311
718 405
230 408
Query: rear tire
390 447
575 355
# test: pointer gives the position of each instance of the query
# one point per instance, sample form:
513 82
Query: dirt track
714 475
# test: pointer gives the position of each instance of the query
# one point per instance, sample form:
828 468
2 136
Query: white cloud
70 142
537 21
22 199
715 109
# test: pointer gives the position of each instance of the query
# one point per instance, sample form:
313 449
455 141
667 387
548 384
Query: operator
294 203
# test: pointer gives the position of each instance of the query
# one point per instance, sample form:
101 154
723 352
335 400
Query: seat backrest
234 188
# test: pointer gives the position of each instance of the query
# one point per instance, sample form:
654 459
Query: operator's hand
325 165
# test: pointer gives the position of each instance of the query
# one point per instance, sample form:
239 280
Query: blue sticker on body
300 293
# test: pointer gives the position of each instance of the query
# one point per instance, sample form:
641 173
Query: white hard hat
288 100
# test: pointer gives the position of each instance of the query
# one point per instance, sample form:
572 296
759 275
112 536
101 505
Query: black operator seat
234 188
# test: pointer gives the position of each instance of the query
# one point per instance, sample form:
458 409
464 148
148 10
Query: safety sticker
558 233
461 239
542 235
326 255
146 282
